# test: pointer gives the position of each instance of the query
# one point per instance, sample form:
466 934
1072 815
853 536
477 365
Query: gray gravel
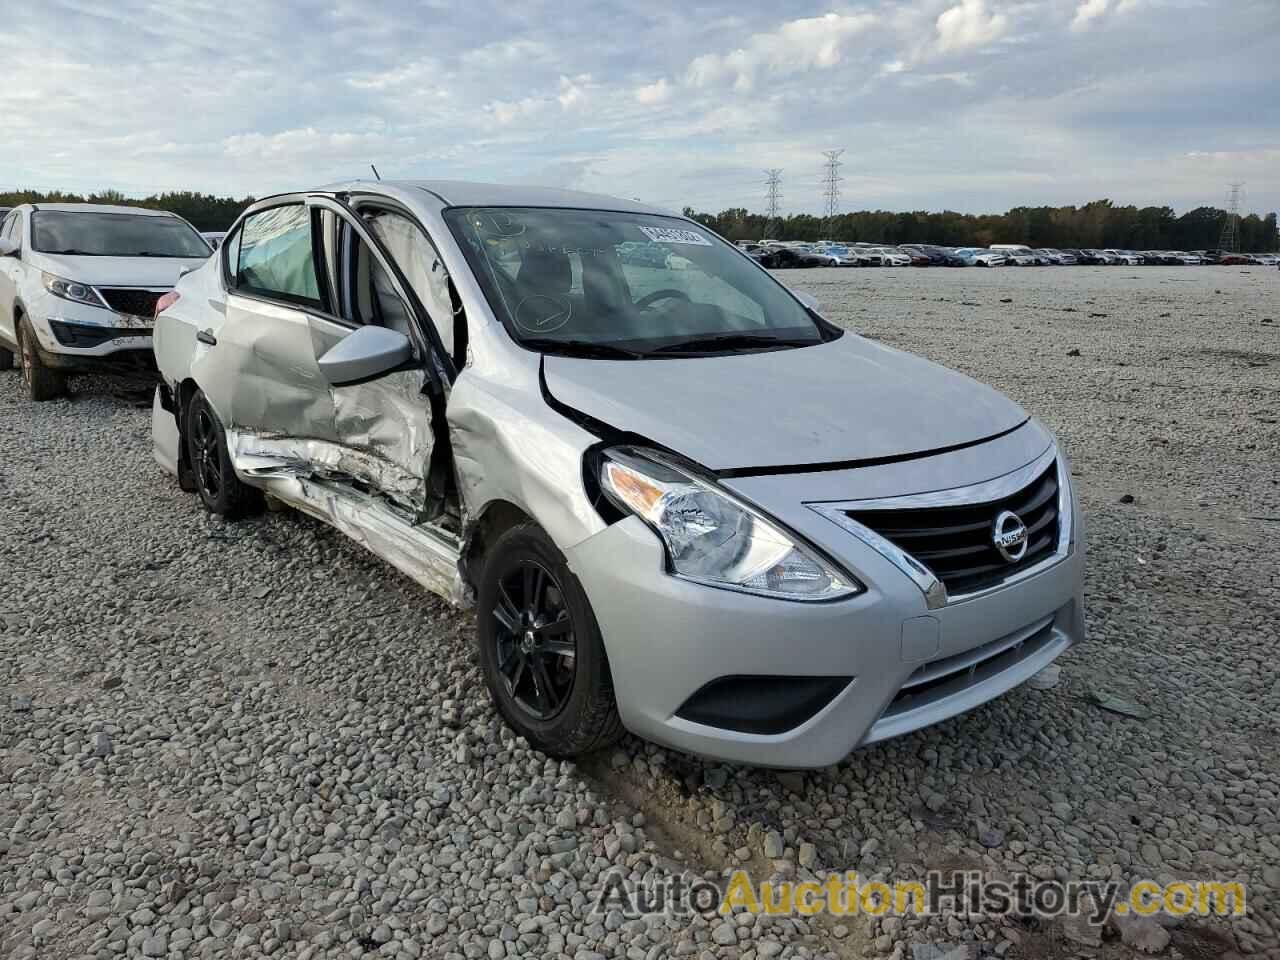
237 740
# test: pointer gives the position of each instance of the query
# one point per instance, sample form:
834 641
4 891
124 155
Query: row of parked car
563 410
776 254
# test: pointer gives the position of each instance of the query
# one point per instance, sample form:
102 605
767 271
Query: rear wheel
541 650
215 479
41 382
6 358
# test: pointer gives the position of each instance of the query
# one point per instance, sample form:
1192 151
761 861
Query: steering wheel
649 299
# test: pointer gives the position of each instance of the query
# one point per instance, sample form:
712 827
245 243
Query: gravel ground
234 740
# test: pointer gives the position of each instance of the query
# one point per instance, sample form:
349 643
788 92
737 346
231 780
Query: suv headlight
70 290
714 539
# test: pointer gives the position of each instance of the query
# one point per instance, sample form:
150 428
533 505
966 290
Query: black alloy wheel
211 470
541 650
206 449
535 643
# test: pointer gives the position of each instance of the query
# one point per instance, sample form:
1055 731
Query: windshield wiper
731 341
69 252
583 348
148 253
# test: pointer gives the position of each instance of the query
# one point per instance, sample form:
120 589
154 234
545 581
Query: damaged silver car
680 501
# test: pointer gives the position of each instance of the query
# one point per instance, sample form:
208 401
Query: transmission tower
773 187
832 182
1230 240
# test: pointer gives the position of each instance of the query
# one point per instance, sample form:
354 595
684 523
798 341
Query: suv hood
116 271
839 402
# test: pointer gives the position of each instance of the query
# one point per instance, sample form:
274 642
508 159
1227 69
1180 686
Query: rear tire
541 650
42 383
6 359
215 479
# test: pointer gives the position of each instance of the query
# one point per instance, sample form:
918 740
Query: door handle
206 336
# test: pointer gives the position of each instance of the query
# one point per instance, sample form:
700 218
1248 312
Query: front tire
541 650
215 479
41 382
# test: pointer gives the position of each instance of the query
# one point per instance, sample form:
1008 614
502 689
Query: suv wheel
6 358
541 651
215 479
42 383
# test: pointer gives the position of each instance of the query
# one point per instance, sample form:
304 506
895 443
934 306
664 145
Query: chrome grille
956 543
138 303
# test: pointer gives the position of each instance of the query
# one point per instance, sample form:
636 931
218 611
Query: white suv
79 285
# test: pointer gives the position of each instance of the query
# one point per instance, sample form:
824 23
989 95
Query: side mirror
365 354
9 249
808 299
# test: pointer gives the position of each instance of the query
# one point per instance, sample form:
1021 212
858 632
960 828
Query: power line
773 188
1230 240
832 182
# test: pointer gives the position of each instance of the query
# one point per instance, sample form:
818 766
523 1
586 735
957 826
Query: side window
274 256
230 249
425 271
12 228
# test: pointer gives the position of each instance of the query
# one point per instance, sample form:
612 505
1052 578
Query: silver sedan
680 501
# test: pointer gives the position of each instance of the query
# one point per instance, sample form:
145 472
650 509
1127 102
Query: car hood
844 401
116 271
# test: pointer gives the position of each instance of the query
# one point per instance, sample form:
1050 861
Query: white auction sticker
674 235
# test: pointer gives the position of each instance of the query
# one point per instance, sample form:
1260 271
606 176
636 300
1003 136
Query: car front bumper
826 677
91 340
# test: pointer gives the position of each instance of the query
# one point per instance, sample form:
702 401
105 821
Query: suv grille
956 542
138 303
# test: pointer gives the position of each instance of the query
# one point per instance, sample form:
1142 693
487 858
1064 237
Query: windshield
604 283
114 235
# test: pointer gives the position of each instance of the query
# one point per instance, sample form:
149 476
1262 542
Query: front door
386 427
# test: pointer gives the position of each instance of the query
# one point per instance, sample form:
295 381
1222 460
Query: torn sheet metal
427 555
385 425
258 456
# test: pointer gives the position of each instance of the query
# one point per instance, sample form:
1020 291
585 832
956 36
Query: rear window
114 235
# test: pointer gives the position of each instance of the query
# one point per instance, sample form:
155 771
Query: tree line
1097 225
203 210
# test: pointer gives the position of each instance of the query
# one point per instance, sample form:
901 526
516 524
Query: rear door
257 364
388 427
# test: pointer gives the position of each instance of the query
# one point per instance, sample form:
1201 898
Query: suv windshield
114 235
611 284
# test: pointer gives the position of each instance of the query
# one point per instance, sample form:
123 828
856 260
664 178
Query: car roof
464 193
96 208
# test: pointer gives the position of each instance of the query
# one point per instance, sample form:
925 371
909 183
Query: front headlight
711 537
70 290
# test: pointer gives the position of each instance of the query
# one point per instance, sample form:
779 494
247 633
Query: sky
969 105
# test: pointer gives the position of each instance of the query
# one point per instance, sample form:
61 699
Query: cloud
795 47
574 90
968 24
506 112
1087 12
505 53
657 92
244 97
